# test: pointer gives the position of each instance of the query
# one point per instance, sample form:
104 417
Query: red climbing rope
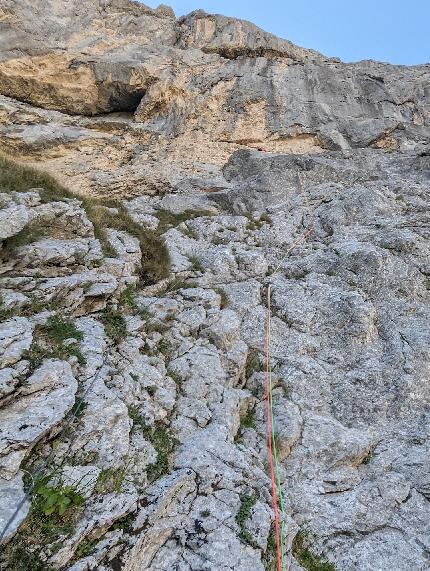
273 456
269 438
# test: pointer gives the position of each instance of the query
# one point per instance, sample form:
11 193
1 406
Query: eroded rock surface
146 397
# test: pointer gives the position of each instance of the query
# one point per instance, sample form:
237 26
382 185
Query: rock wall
137 403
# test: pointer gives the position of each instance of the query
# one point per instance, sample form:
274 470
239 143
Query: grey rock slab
38 407
12 494
100 514
16 335
12 220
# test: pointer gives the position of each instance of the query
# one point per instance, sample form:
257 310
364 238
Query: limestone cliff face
197 88
198 153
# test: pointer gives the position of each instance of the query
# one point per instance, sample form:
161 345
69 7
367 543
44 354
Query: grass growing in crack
247 421
111 480
196 264
21 178
223 296
136 416
85 548
169 219
48 342
156 326
127 297
175 377
164 444
269 557
177 284
110 214
59 330
6 312
19 557
307 559
115 324
246 504
252 365
368 458
155 256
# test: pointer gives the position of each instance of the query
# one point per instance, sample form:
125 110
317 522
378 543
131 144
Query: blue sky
396 31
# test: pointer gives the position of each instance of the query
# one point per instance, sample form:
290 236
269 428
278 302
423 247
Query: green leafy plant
58 499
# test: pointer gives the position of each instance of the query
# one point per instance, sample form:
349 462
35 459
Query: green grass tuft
307 559
15 177
48 343
164 444
115 324
108 214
